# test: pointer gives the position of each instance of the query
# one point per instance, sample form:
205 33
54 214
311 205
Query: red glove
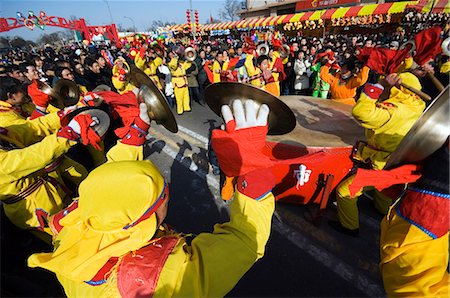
89 99
39 98
80 129
139 129
239 148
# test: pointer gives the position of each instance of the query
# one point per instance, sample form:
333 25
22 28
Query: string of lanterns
311 25
346 21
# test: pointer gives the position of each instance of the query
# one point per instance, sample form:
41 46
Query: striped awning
327 14
436 6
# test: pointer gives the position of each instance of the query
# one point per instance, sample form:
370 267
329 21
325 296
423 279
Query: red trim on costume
373 91
426 211
54 220
138 273
256 184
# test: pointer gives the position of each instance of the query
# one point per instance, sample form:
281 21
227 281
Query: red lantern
197 22
188 16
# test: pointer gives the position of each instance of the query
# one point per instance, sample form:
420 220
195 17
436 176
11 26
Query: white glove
143 113
75 126
251 117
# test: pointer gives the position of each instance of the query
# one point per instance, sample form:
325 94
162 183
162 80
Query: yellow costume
276 74
217 69
118 79
88 238
180 84
386 124
149 68
414 247
28 189
413 264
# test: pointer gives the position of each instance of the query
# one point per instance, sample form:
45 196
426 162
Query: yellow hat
110 220
411 80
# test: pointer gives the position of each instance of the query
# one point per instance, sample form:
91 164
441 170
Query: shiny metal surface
281 118
262 49
101 88
427 135
190 54
158 109
103 118
65 93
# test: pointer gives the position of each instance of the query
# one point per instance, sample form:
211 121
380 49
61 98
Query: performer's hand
267 74
39 98
391 80
239 147
80 129
139 129
90 99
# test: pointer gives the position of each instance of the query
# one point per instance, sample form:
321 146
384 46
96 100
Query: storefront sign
315 4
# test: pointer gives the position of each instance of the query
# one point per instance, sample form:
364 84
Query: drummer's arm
367 111
325 74
360 79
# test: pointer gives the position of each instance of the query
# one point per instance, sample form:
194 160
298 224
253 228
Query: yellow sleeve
19 163
122 152
412 263
326 76
83 90
173 64
251 69
139 62
368 114
232 248
158 61
360 79
31 131
186 65
216 72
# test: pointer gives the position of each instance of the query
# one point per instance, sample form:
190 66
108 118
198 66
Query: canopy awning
435 6
324 14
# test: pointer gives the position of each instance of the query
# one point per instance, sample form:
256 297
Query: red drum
303 179
311 160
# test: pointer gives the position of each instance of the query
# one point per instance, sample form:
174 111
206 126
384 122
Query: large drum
312 159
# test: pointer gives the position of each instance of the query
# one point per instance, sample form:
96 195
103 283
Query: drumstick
435 81
421 94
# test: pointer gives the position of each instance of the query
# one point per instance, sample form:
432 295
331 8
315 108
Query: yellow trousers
182 99
412 263
347 206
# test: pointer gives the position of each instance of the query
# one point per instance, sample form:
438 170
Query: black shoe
338 227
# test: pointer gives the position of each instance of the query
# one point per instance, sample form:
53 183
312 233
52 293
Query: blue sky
95 12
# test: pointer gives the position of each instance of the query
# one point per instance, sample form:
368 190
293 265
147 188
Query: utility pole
192 23
109 10
134 25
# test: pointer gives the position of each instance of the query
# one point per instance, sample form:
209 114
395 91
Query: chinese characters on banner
314 4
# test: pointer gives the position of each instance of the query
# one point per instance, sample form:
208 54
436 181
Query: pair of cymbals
281 118
65 93
101 116
158 109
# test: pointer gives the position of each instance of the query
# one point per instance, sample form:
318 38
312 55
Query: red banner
318 4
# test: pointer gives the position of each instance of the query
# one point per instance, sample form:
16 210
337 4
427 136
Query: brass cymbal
158 109
103 118
101 87
426 136
65 93
281 118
